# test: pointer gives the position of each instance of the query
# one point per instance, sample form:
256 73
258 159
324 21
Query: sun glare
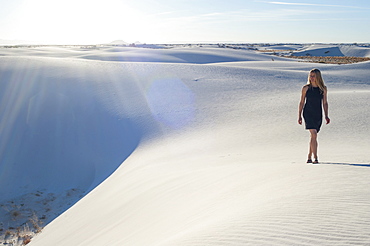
78 21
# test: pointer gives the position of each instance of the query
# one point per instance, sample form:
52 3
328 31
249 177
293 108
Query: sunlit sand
182 145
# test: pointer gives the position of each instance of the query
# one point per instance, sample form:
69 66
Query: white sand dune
281 47
333 50
179 54
210 149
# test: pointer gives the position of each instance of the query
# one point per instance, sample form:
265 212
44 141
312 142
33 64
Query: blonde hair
319 79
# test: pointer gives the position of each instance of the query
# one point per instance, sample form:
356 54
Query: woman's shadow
346 164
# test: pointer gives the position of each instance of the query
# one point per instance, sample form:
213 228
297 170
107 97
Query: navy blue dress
312 111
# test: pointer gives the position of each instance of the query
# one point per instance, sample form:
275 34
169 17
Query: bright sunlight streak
79 21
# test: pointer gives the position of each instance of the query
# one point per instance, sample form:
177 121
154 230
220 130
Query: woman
313 99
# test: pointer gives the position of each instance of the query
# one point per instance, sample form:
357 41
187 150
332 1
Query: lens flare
171 102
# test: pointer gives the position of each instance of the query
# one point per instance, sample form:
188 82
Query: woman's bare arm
301 104
326 106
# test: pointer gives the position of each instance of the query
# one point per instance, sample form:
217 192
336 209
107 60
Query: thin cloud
316 4
248 15
239 16
164 13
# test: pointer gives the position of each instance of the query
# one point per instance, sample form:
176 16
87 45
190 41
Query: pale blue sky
167 21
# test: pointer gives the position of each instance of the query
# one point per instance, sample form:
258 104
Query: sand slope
214 153
333 50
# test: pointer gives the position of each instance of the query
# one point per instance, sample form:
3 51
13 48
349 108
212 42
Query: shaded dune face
56 133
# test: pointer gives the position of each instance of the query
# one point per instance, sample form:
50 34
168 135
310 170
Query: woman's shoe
316 161
309 161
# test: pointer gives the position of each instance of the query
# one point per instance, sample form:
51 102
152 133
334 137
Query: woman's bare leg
313 144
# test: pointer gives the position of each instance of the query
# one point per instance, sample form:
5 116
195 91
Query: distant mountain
119 42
